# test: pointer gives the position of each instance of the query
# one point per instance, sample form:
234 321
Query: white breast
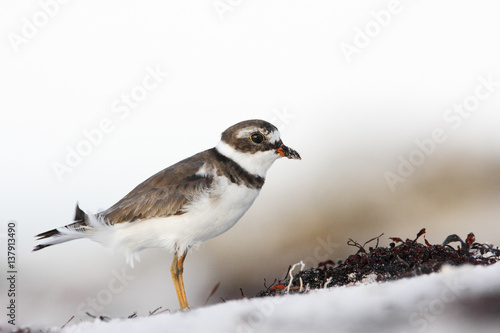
210 215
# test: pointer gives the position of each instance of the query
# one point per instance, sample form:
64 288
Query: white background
351 118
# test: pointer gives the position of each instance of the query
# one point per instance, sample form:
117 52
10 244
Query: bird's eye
257 138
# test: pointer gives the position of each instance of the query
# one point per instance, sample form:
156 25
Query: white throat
256 164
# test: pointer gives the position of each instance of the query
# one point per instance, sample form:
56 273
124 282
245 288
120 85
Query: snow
437 302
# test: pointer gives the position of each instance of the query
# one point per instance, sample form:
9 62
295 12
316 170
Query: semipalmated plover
187 203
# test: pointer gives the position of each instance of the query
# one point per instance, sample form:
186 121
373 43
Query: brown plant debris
401 259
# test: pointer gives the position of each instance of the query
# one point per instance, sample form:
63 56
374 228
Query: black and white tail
75 230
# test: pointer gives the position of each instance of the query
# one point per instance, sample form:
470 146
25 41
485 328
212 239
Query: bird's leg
176 270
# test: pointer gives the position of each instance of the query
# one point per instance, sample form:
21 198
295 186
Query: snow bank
458 299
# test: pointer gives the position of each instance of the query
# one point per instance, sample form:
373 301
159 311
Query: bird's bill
287 152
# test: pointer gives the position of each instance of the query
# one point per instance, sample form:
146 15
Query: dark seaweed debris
401 259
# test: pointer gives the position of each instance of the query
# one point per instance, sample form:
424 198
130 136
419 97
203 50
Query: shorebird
187 203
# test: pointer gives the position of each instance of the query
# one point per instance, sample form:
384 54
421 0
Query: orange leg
176 271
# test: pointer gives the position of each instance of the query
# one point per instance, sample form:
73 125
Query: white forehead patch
273 137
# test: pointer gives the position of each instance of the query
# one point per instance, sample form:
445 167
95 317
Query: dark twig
70 319
288 271
272 284
157 311
213 291
352 242
377 238
102 318
154 311
420 233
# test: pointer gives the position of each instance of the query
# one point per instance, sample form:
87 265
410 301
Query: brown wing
164 194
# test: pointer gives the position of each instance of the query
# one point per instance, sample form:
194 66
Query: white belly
209 216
